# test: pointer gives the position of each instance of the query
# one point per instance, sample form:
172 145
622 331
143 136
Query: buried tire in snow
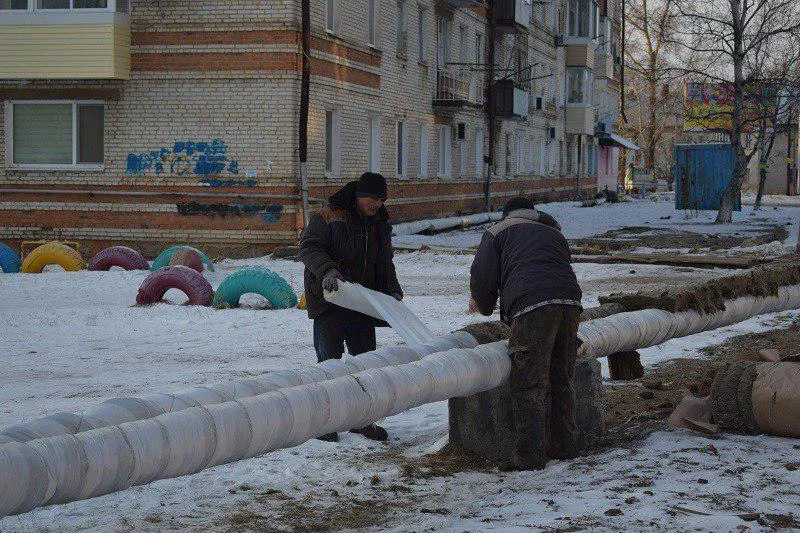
191 282
10 262
258 280
165 257
731 397
53 253
119 256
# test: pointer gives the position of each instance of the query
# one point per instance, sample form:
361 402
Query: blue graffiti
228 183
185 157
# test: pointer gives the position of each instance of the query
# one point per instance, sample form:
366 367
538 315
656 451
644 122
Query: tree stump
484 424
625 366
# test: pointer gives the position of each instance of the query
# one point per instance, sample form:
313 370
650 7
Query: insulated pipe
641 329
73 467
120 410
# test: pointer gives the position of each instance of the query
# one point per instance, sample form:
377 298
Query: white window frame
373 25
402 40
442 42
463 45
542 156
9 135
401 149
374 143
588 83
462 157
479 151
532 155
331 15
111 7
422 141
422 30
479 59
521 169
444 158
336 144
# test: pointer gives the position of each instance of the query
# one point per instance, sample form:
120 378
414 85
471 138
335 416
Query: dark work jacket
526 261
361 249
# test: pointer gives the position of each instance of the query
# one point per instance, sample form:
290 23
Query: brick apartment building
156 122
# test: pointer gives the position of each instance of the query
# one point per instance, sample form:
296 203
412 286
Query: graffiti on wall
184 158
265 212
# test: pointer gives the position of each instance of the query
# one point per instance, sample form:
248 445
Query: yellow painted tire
302 304
53 253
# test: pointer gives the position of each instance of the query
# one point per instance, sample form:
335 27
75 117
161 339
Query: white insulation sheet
383 307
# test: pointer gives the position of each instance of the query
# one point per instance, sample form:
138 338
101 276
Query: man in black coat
349 239
526 261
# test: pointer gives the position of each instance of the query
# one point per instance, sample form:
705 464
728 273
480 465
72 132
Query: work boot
372 432
329 437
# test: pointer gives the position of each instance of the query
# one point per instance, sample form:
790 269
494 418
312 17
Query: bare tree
651 79
735 42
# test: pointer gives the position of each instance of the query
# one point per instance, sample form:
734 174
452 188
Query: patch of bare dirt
633 409
631 237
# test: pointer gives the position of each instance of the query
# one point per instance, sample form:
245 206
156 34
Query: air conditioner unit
539 102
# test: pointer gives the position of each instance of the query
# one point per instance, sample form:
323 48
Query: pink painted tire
183 278
120 256
187 257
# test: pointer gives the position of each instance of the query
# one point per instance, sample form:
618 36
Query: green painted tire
258 280
166 256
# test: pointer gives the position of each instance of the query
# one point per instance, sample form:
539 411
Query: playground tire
187 257
53 253
10 262
258 280
191 282
165 257
120 256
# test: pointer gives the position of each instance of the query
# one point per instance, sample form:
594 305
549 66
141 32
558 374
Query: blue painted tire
10 262
166 256
258 280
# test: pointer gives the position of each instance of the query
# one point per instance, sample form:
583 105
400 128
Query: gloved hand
397 297
330 282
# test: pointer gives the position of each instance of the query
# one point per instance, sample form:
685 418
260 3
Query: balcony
542 105
579 120
463 3
603 64
510 101
580 54
457 89
512 16
65 44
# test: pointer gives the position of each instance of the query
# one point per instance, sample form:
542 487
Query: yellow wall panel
68 51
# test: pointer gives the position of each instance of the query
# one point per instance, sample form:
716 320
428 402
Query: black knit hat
518 202
373 185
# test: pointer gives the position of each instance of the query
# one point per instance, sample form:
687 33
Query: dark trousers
334 328
543 350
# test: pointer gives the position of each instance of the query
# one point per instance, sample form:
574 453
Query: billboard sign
709 106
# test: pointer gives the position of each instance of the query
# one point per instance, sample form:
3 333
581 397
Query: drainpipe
305 82
490 106
622 69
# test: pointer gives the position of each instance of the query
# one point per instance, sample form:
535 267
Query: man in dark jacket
349 239
526 261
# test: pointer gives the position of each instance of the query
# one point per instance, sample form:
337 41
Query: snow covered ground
70 340
580 222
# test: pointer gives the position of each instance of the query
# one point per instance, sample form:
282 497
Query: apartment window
422 142
552 153
13 5
543 13
401 148
569 158
463 45
332 142
445 165
442 45
552 82
423 34
374 141
330 15
542 156
55 133
532 155
507 156
478 151
479 60
582 18
372 22
401 28
520 155
579 86
462 158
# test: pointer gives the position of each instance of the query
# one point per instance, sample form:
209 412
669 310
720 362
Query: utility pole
490 106
305 83
789 159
